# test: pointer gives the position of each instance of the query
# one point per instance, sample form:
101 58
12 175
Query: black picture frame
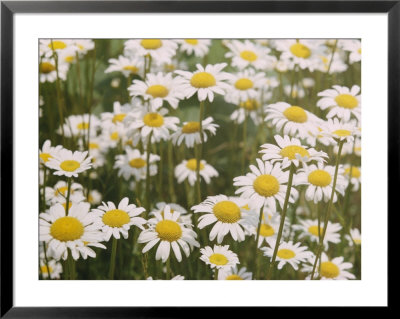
9 8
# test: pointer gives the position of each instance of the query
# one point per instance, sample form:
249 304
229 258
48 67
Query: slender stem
349 186
216 274
328 212
147 202
71 266
68 195
46 260
244 139
78 69
199 151
113 257
285 206
333 54
168 269
172 195
256 268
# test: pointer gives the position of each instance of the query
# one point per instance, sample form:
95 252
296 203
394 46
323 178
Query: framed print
155 151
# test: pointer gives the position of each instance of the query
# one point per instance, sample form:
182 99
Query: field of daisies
198 159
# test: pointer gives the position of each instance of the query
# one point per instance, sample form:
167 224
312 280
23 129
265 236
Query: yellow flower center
191 127
118 117
153 120
67 229
347 101
248 55
291 151
45 157
233 277
93 146
357 241
131 68
62 190
192 164
227 212
266 230
244 84
342 133
44 269
329 270
250 104
202 80
46 67
313 230
266 185
57 45
114 136
354 173
65 205
300 50
218 259
116 218
192 41
296 114
359 50
320 178
69 59
168 230
70 165
286 253
157 91
82 126
137 162
151 44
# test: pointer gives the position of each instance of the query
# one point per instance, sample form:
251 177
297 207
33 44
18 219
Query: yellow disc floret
57 45
329 270
169 230
118 117
192 164
266 230
244 84
151 44
227 211
45 157
355 172
347 101
342 133
131 68
320 178
82 126
70 165
248 55
46 67
291 151
295 114
191 127
137 162
202 80
266 185
286 253
153 119
157 90
300 50
67 229
218 259
192 41
233 277
250 105
314 230
116 218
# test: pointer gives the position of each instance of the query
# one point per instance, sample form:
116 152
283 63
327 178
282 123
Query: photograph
199 159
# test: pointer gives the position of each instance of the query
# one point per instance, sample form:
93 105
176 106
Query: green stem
71 266
256 268
333 53
113 257
68 195
199 151
244 139
168 269
172 195
328 212
285 206
216 274
147 202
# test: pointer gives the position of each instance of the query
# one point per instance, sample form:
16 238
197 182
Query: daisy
112 134
158 88
169 233
177 277
118 114
270 227
98 158
219 257
234 274
52 268
341 102
337 131
294 91
226 213
65 234
348 148
154 124
264 185
68 55
353 47
133 163
247 53
70 164
288 252
204 81
83 45
251 108
355 178
354 237
184 216
319 179
335 64
128 66
309 229
199 47
160 50
334 269
187 170
47 152
58 193
291 119
46 46
78 125
115 221
244 86
290 150
48 73
94 197
86 251
190 132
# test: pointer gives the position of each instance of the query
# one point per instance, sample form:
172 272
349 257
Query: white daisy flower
65 234
184 217
118 114
308 83
352 46
248 54
244 86
94 197
309 229
169 233
187 170
190 132
68 55
334 269
270 227
158 88
348 148
320 182
290 150
205 81
341 102
355 178
160 50
336 130
288 252
227 214
46 46
291 119
265 185
47 70
52 268
133 163
78 125
58 193
219 257
199 47
177 277
115 221
83 45
47 152
70 164
128 66
335 64
354 237
98 158
294 92
234 274
252 108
